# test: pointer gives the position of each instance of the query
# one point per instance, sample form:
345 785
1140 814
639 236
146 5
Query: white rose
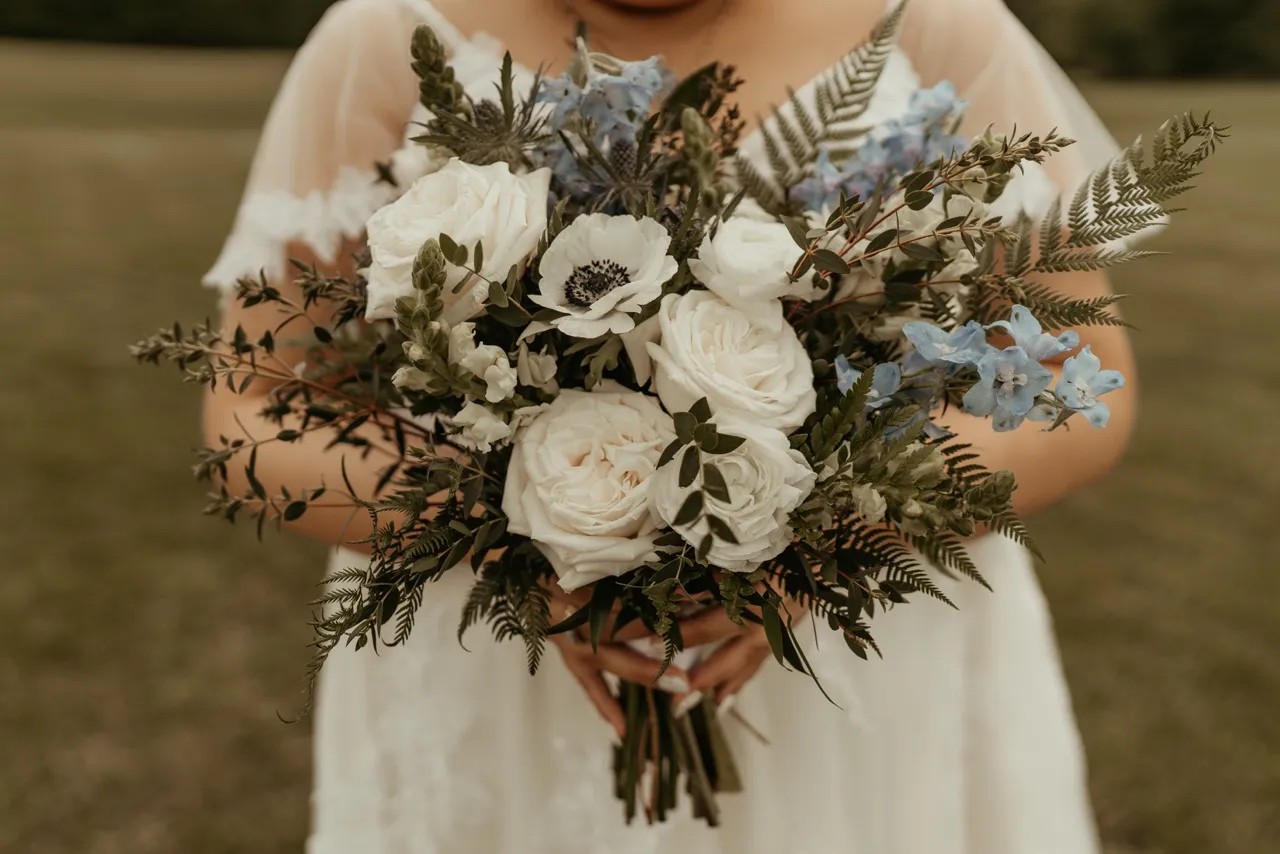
481 428
486 361
710 349
508 212
767 480
601 270
747 265
578 482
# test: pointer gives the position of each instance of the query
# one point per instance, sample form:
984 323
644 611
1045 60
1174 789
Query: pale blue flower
885 382
1028 334
964 345
920 135
564 95
618 104
1008 382
823 186
1083 382
937 104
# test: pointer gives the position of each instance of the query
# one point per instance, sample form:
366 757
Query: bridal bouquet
607 352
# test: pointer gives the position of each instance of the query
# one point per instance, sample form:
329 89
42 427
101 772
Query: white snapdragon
481 428
485 361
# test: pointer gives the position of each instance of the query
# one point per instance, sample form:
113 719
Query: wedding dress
959 741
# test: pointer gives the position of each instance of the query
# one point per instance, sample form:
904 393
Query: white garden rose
767 480
578 482
747 264
489 204
707 348
601 270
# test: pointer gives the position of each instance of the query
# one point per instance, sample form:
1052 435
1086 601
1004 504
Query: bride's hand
588 666
732 665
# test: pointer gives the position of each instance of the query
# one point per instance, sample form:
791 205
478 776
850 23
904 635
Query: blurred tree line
1159 38
1184 38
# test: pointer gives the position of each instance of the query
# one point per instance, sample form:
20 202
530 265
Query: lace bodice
349 102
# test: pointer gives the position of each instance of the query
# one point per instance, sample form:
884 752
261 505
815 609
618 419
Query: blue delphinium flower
1028 334
618 104
1008 382
885 382
823 186
564 95
964 345
920 135
1083 382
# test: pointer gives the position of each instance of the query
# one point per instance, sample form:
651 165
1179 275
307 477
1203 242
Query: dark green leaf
669 453
829 262
689 467
798 229
921 252
294 510
701 410
725 443
721 530
713 483
685 424
773 632
881 241
919 201
448 246
690 510
603 596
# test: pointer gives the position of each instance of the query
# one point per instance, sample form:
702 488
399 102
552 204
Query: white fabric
961 741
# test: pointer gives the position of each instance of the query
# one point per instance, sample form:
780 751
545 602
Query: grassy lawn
147 651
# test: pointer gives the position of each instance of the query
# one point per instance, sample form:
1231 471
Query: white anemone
601 270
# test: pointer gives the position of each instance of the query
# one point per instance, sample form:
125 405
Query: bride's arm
343 106
1008 80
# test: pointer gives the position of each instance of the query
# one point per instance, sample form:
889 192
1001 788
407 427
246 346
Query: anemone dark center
589 282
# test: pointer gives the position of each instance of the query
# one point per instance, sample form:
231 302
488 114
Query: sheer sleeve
1007 78
343 106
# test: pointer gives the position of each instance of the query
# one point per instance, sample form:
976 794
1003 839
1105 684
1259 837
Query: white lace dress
960 741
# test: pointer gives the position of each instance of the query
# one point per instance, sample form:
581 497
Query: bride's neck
651 26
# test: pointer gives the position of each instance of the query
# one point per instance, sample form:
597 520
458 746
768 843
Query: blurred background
145 651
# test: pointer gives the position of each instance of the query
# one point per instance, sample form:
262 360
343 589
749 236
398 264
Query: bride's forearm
305 463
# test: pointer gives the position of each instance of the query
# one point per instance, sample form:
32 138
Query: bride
960 741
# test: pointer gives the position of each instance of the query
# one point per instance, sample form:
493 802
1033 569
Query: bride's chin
649 5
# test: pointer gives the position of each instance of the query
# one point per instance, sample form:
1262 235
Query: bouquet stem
664 751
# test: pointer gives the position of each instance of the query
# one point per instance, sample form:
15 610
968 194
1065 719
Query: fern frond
1129 194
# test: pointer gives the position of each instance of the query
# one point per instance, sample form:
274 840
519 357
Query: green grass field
146 651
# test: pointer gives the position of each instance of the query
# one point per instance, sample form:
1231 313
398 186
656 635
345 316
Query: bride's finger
708 626
596 689
725 663
630 665
751 666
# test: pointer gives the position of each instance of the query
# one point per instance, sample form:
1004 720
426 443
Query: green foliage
480 132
